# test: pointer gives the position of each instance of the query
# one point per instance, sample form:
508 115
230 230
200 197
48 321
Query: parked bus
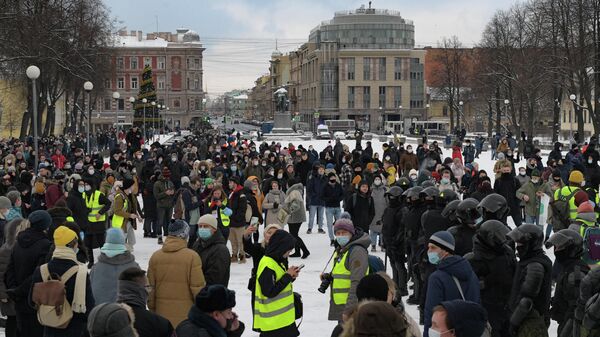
430 127
340 125
393 127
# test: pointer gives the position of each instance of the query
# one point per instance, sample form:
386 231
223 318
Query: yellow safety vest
275 312
117 220
565 192
92 202
340 287
224 218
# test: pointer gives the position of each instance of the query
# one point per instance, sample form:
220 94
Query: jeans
373 235
549 229
532 219
331 215
311 215
493 153
161 226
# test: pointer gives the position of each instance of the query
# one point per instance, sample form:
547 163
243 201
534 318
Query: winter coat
294 204
468 154
78 208
333 195
362 209
200 324
566 293
433 221
507 185
463 237
380 204
393 231
29 252
274 198
256 171
357 263
592 175
408 161
302 169
442 287
314 189
215 259
7 307
54 192
163 200
149 324
238 204
588 288
532 207
105 274
78 323
176 274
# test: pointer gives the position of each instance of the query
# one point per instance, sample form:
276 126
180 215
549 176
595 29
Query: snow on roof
133 42
242 96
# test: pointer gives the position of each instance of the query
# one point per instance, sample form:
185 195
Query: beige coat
176 274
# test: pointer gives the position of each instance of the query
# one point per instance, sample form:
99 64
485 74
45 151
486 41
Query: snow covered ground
315 304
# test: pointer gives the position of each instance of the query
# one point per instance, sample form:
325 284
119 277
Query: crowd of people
67 235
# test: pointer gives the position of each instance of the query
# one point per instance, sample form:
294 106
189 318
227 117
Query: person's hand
525 198
235 322
249 230
293 271
539 194
98 216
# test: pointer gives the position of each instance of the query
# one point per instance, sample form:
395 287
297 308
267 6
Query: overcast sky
239 36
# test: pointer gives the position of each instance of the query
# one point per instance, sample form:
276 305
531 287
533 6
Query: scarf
132 293
202 320
113 249
66 253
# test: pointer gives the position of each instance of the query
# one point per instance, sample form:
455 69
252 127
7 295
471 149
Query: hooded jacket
294 204
163 200
105 274
315 186
442 287
380 204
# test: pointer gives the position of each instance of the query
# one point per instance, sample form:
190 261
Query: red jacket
456 153
59 161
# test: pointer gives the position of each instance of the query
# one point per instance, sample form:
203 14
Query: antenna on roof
276 44
156 36
370 4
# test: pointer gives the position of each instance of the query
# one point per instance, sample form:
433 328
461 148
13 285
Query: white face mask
377 182
279 176
91 172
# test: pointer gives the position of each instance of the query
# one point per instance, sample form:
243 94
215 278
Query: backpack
375 263
179 207
50 298
561 211
591 242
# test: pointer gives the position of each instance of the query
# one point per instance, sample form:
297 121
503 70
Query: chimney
140 35
122 32
133 33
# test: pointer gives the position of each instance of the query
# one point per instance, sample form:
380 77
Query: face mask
445 181
263 164
332 182
139 157
590 161
88 188
583 183
478 220
521 173
279 176
254 162
342 240
561 255
434 258
91 172
413 177
204 233
234 168
81 189
310 148
377 182
173 159
521 250
433 333
409 150
535 181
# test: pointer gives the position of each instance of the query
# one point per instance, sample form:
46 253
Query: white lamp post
88 87
116 97
33 73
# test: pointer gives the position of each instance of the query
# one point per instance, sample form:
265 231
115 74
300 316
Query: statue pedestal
282 123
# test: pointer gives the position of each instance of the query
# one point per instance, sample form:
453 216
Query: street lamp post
381 119
144 101
33 73
427 111
116 97
460 111
88 87
154 114
573 99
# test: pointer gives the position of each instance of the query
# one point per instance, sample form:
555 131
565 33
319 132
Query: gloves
227 211
275 205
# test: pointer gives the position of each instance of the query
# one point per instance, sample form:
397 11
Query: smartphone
253 221
300 267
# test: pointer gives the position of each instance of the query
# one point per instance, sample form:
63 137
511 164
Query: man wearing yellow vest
274 310
567 194
97 204
125 216
350 265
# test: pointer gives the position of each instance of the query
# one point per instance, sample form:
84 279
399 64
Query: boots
234 258
305 252
242 259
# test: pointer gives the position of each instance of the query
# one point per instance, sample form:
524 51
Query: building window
120 63
107 104
107 83
197 104
382 97
196 84
176 103
397 97
350 71
196 63
161 82
351 97
188 64
134 83
120 83
161 62
133 62
381 69
445 111
366 97
367 68
121 104
147 61
188 83
397 68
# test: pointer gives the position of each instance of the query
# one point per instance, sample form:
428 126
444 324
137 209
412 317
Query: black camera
325 282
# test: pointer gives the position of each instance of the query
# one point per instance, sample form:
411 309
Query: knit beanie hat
535 173
580 197
40 220
13 196
114 243
444 240
5 202
127 183
208 219
344 224
111 320
585 207
63 236
576 177
208 181
180 229
379 319
468 319
185 180
215 298
372 287
357 179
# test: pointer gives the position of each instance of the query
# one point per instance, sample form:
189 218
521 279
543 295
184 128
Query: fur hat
215 298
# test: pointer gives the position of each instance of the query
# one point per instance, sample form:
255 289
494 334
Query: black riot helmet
529 239
567 244
413 193
492 233
493 207
430 193
467 212
444 197
404 183
395 192
450 211
427 183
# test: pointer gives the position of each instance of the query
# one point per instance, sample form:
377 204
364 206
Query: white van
323 132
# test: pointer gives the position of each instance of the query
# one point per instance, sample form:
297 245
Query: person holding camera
274 305
350 265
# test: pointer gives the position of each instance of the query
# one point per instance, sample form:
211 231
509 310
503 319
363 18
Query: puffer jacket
215 259
357 263
380 204
105 274
273 198
294 204
175 271
442 287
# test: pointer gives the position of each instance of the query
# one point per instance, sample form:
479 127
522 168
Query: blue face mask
342 240
445 181
80 189
479 220
434 258
204 233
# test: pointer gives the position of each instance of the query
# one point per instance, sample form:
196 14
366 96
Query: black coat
238 204
200 324
393 231
29 252
463 236
149 324
78 208
566 293
433 221
412 221
332 195
362 210
215 259
507 185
